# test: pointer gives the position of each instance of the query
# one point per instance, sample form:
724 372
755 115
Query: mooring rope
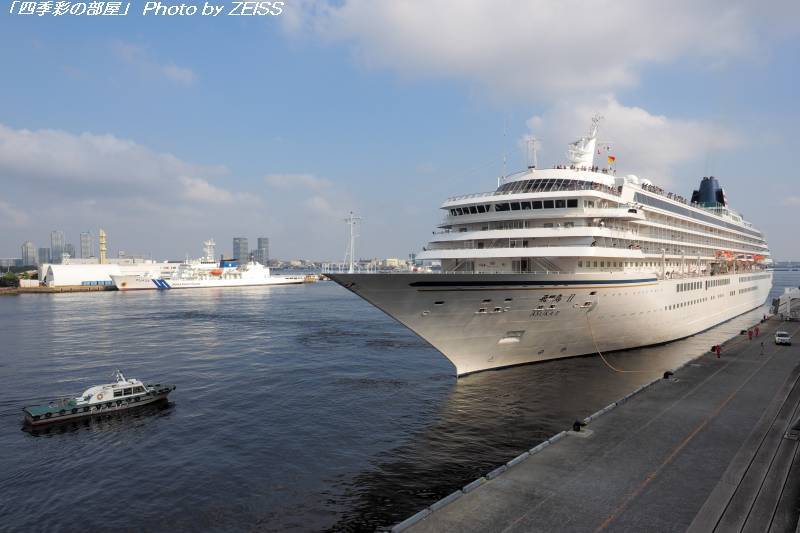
609 365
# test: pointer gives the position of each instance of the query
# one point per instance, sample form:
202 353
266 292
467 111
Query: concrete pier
710 449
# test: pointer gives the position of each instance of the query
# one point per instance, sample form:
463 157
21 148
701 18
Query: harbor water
298 408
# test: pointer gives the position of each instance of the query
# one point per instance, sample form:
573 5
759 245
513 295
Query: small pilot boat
101 399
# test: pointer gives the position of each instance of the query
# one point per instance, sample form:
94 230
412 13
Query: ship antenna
505 132
532 154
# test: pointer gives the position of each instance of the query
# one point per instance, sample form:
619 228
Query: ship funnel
710 194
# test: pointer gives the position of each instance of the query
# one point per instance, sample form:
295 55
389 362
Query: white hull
485 321
132 283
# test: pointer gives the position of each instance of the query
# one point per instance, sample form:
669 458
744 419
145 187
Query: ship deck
710 449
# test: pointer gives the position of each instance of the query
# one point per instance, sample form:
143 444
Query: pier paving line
665 459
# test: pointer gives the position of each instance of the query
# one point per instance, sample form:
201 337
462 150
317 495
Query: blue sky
167 131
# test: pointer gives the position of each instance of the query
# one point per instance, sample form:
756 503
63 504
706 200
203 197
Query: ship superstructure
573 260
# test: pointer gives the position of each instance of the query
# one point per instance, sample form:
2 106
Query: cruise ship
575 260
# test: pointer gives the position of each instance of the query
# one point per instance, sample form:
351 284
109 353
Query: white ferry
121 395
189 275
573 260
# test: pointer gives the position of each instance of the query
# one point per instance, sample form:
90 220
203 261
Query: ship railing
471 246
535 272
566 186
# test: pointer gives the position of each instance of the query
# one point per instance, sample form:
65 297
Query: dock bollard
668 374
577 425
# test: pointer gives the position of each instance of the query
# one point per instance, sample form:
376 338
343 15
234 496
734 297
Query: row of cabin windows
691 286
632 264
748 289
717 282
128 391
684 304
753 278
601 264
516 206
593 264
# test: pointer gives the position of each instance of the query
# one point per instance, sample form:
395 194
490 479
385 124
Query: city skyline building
56 246
69 249
9 262
262 250
42 256
87 246
241 250
28 254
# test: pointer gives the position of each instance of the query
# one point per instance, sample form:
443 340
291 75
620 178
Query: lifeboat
216 272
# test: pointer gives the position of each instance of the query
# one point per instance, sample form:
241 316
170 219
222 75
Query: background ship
227 273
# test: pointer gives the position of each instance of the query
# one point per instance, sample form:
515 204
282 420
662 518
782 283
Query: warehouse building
61 275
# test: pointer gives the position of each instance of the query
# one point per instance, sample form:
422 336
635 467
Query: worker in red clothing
750 334
718 349
757 331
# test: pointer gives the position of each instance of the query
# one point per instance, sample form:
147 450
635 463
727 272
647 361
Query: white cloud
137 57
200 190
86 166
648 145
538 48
791 201
313 195
321 206
56 156
182 75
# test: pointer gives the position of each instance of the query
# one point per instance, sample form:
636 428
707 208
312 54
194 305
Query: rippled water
297 408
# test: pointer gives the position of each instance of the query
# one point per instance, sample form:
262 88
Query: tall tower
101 241
56 245
28 253
42 256
87 250
262 250
241 251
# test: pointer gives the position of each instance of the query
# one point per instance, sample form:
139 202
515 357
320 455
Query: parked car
781 337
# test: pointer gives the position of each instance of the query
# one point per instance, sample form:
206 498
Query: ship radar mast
581 152
208 250
350 253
